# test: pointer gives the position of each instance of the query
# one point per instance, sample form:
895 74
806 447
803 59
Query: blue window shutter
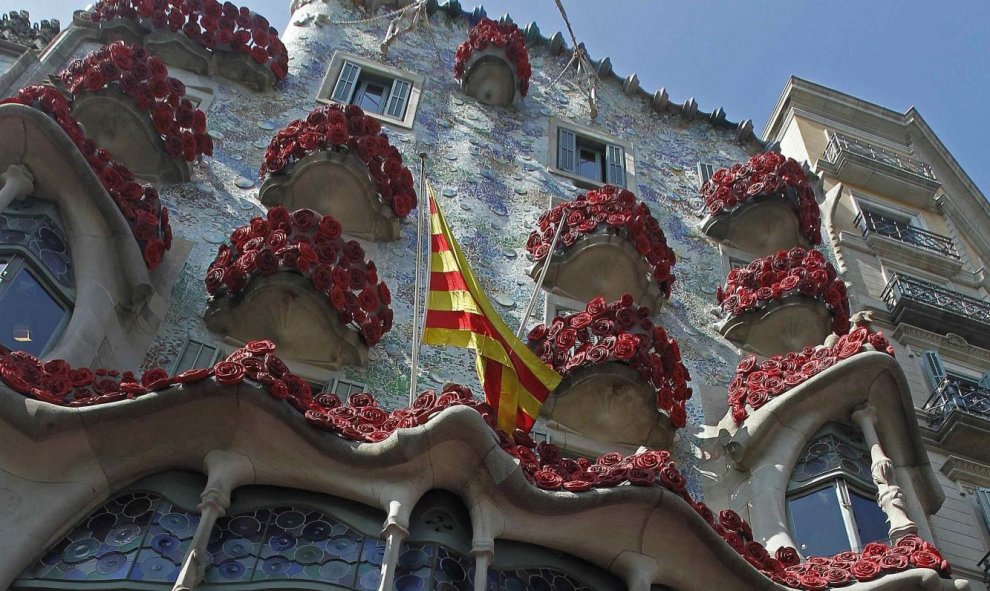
983 500
566 149
398 98
344 90
615 169
705 173
935 372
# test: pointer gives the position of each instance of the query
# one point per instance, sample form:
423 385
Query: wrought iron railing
985 563
954 394
903 288
870 222
838 143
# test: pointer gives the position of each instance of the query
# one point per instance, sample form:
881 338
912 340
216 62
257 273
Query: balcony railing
839 143
957 395
985 563
938 309
870 222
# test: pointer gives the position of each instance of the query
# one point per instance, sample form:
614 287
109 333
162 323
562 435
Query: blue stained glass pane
40 233
30 316
235 546
165 544
816 521
871 522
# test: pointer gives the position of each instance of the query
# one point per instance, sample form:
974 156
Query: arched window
831 499
36 278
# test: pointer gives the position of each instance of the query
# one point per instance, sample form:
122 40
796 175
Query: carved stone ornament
491 77
285 308
609 403
337 184
113 121
784 325
761 226
602 264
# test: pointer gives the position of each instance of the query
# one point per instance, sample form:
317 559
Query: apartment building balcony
876 169
938 309
894 238
959 415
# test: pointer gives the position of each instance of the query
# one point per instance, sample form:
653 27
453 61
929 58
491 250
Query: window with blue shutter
344 90
615 168
566 148
397 99
705 172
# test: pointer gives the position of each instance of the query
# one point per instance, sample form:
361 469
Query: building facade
772 350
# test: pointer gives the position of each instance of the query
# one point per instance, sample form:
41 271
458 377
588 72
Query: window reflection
817 523
871 522
31 318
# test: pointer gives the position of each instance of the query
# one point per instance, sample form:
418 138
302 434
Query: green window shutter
983 500
344 90
931 363
615 169
566 149
397 99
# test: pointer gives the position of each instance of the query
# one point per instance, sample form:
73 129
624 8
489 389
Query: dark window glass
370 96
590 164
870 519
816 521
30 318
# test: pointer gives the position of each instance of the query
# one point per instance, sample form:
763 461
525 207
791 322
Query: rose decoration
138 203
360 419
619 332
215 26
608 209
756 383
144 78
493 34
309 244
765 174
345 129
795 272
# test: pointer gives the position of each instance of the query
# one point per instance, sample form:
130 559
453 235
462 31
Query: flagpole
417 336
539 280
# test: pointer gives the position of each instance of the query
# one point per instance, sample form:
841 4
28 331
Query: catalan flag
515 380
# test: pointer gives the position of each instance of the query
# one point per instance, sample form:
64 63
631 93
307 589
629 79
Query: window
385 93
705 172
983 500
196 354
344 388
589 157
557 305
33 315
832 504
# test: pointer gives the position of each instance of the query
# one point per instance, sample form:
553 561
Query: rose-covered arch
762 206
338 161
295 276
204 36
610 245
128 104
783 302
493 64
431 421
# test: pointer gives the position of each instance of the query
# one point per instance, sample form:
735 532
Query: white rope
419 15
380 17
579 59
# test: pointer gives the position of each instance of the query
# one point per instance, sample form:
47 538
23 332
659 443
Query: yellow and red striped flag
515 380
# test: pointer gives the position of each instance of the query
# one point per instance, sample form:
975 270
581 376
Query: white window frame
612 144
842 488
913 217
334 387
706 170
18 259
554 303
415 82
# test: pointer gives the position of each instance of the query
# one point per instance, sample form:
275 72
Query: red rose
926 559
788 556
672 479
229 372
865 570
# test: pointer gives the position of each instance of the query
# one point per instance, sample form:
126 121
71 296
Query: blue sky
738 55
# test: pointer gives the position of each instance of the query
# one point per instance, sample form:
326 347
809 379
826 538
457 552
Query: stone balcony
938 309
959 415
876 169
893 238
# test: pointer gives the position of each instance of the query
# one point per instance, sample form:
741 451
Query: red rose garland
619 332
360 419
145 78
768 173
345 129
756 383
608 209
793 272
309 244
138 203
489 33
213 25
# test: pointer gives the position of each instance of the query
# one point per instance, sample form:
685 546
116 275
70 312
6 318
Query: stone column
225 470
484 555
18 182
889 495
395 532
